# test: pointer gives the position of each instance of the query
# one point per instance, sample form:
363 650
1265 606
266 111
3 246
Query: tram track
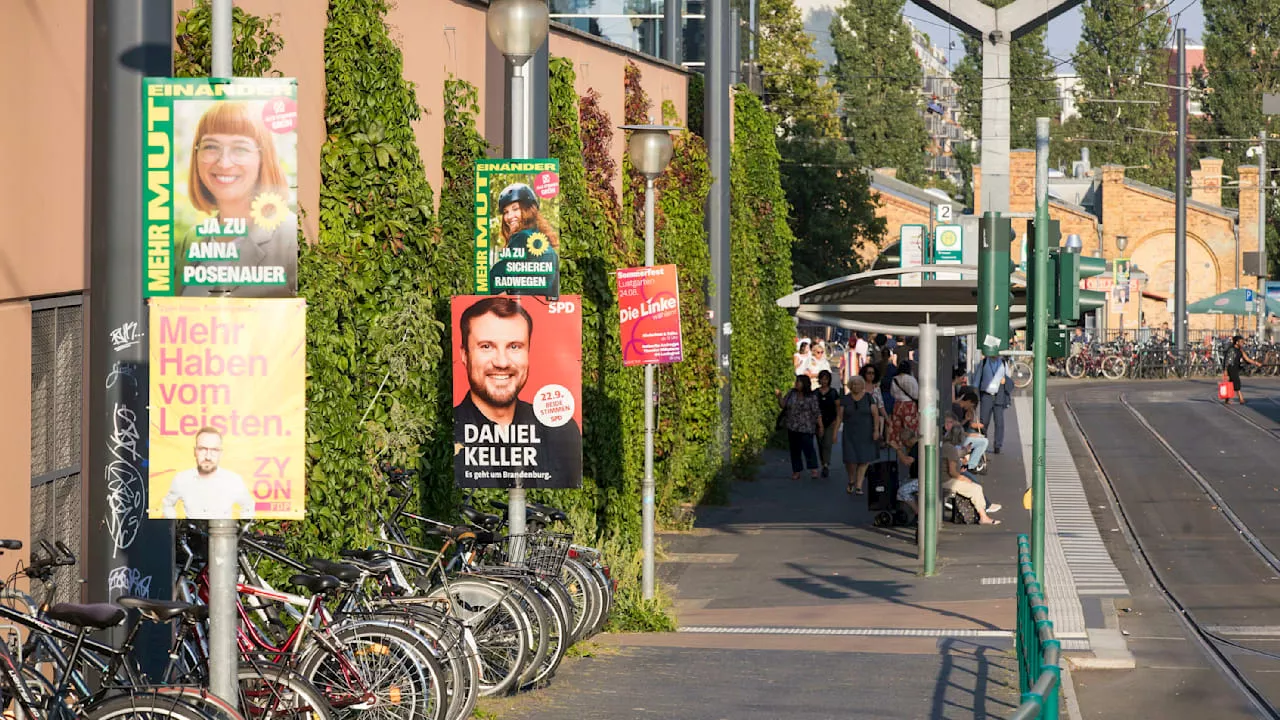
1211 642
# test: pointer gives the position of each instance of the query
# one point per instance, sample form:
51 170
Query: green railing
1039 652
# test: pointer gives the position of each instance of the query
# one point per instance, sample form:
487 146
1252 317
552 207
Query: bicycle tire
203 700
1113 367
559 638
151 705
447 636
586 597
1075 367
1021 374
500 630
284 684
538 612
414 670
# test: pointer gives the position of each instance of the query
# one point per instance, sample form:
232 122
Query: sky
1064 31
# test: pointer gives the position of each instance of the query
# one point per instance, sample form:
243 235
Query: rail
1039 652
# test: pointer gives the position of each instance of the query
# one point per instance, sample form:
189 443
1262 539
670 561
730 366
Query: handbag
1226 390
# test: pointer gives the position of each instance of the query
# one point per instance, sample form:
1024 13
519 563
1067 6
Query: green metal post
930 499
1040 346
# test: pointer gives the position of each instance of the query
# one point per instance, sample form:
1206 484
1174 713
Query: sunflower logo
538 244
268 211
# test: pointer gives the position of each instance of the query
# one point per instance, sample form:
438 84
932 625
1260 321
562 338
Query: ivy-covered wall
379 280
761 267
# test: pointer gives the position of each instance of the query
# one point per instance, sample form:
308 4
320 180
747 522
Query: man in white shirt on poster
208 492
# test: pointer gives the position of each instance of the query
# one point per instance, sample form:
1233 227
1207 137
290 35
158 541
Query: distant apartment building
1195 59
1067 85
941 110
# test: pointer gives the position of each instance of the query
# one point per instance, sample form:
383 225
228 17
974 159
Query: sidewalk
792 605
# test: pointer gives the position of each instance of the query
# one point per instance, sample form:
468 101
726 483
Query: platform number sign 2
942 213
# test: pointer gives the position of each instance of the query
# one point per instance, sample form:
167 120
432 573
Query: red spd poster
517 391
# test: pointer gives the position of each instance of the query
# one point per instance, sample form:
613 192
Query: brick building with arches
1102 205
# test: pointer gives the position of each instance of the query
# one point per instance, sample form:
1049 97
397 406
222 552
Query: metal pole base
224 656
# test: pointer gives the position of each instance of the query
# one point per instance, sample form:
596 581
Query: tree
1236 79
1123 49
878 78
830 209
1032 92
790 73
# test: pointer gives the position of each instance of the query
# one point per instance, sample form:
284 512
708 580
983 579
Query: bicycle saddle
318 584
363 555
483 519
99 616
155 610
555 514
345 572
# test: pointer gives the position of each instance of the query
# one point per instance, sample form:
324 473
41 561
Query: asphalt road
1197 553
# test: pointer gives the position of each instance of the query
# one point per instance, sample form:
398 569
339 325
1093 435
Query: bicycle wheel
269 691
381 667
1021 373
499 627
1076 367
144 706
559 615
1113 367
449 644
586 597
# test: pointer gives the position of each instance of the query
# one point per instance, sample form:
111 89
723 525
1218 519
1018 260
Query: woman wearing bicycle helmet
520 210
529 254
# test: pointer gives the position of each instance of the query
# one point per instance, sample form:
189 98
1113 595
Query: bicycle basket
542 553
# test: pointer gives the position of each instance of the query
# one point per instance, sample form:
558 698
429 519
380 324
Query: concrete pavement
792 605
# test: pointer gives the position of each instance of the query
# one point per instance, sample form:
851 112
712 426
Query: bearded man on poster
500 437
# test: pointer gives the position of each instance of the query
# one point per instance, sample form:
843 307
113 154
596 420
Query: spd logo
562 307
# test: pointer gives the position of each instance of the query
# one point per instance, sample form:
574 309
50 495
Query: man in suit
993 384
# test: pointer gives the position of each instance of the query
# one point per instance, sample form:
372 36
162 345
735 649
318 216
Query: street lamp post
517 29
1122 242
650 150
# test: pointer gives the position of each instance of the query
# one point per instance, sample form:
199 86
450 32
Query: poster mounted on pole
517 391
649 315
517 227
220 180
911 252
228 408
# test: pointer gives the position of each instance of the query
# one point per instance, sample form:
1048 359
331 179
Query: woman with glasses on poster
235 176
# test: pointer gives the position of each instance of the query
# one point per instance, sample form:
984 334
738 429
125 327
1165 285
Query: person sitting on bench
955 481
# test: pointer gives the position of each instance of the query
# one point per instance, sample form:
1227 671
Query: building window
57 366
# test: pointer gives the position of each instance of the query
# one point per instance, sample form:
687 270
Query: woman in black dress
829 405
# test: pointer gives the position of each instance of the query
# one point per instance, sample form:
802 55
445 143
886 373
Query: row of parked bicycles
1158 359
398 631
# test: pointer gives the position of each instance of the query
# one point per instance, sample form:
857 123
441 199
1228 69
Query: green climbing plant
375 342
254 43
760 257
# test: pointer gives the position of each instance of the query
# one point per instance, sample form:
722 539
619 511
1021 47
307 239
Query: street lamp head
517 27
650 148
1122 241
1074 244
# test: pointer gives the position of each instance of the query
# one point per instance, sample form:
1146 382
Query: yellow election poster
228 408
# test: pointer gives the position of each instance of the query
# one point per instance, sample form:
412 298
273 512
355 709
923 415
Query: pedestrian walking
871 374
906 393
1234 363
829 406
859 442
800 360
803 420
817 364
993 378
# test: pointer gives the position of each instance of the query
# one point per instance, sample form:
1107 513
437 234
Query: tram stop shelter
910 302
